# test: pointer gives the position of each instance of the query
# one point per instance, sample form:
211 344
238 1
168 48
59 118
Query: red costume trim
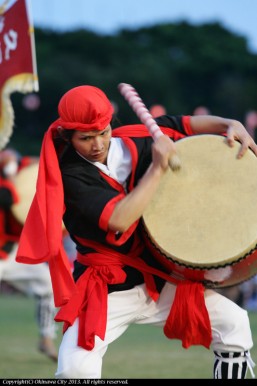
108 209
140 130
187 125
111 236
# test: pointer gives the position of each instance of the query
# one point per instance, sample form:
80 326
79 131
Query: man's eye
105 132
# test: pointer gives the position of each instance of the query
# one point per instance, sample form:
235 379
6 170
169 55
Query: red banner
17 62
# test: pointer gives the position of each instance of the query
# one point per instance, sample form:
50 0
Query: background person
251 123
201 110
32 280
157 110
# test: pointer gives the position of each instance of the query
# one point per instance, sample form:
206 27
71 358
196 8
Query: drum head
205 214
25 184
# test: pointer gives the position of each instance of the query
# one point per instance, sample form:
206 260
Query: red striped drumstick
134 100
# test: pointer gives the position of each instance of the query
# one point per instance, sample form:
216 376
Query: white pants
32 280
230 328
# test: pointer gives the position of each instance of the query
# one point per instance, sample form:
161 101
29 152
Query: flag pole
33 45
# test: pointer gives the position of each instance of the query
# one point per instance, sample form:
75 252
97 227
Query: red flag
17 62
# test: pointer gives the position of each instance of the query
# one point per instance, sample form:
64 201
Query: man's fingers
242 150
246 141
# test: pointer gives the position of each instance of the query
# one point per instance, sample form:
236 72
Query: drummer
109 178
30 280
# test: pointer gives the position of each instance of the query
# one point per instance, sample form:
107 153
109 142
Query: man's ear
62 134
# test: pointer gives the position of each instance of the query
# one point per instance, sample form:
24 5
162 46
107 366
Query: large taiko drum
202 222
25 184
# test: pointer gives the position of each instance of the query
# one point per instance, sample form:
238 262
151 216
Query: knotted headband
84 108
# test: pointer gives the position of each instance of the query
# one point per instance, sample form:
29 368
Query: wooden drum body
202 222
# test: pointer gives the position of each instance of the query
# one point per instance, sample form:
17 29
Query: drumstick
134 100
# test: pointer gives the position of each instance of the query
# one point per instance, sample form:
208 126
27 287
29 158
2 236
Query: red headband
84 108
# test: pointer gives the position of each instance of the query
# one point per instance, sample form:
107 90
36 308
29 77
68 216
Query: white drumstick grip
134 100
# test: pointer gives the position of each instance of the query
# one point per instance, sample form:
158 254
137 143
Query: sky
109 16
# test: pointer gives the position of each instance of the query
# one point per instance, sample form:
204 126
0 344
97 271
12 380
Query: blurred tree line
177 65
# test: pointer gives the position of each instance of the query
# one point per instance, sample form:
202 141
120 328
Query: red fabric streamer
189 319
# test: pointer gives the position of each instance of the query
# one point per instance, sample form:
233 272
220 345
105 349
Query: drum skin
202 222
25 184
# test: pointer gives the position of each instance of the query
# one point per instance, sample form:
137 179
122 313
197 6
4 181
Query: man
29 279
99 181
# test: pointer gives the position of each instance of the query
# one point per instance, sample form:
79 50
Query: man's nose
97 143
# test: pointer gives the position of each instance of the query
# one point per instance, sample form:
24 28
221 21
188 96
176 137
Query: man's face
93 145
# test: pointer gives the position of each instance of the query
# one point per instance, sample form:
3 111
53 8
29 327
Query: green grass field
142 352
